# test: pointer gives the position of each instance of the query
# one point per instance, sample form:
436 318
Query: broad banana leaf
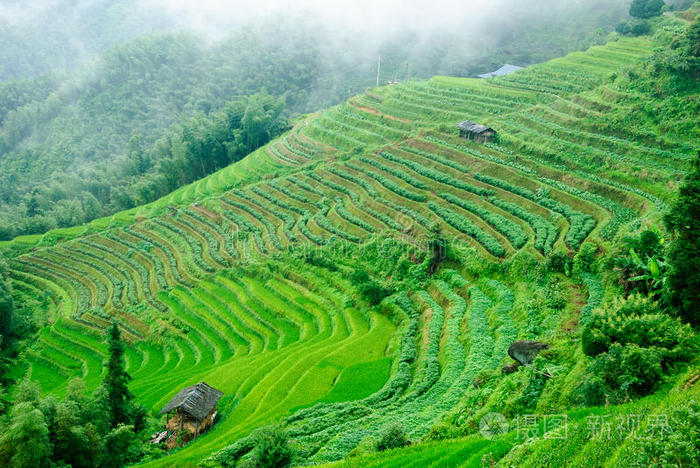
639 278
635 257
654 269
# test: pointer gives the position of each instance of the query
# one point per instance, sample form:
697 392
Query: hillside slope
122 129
255 288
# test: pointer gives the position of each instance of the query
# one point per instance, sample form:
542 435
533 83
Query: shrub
585 260
393 436
442 431
270 450
633 343
634 27
637 320
319 259
629 369
368 287
622 28
556 297
639 28
593 390
558 262
230 455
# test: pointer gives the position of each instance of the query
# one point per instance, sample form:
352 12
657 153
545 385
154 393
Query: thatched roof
197 400
504 70
473 127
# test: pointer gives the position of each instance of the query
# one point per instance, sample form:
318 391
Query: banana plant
653 271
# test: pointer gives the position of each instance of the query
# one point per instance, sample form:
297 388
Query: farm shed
476 132
193 410
504 70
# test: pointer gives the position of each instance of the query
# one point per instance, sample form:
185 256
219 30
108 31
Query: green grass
359 381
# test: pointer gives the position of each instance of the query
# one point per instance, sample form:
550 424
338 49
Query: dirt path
376 112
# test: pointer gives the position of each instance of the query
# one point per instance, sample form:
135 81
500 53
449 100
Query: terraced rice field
201 293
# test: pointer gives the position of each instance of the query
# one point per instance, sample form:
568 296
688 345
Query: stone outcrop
525 351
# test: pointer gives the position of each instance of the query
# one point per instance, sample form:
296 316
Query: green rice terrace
249 279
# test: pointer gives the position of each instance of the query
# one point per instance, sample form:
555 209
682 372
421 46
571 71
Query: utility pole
379 67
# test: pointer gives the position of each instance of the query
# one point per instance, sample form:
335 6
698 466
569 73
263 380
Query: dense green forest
60 35
68 139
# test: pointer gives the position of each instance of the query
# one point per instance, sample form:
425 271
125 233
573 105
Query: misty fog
39 36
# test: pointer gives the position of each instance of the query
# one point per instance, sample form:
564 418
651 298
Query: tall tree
6 311
29 436
116 444
683 58
119 398
683 283
6 305
438 248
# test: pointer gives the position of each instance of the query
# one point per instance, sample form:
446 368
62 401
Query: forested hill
37 38
84 139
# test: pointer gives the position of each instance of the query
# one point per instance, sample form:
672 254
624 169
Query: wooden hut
190 412
476 132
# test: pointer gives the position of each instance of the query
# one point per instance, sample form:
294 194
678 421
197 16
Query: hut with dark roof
192 410
476 132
